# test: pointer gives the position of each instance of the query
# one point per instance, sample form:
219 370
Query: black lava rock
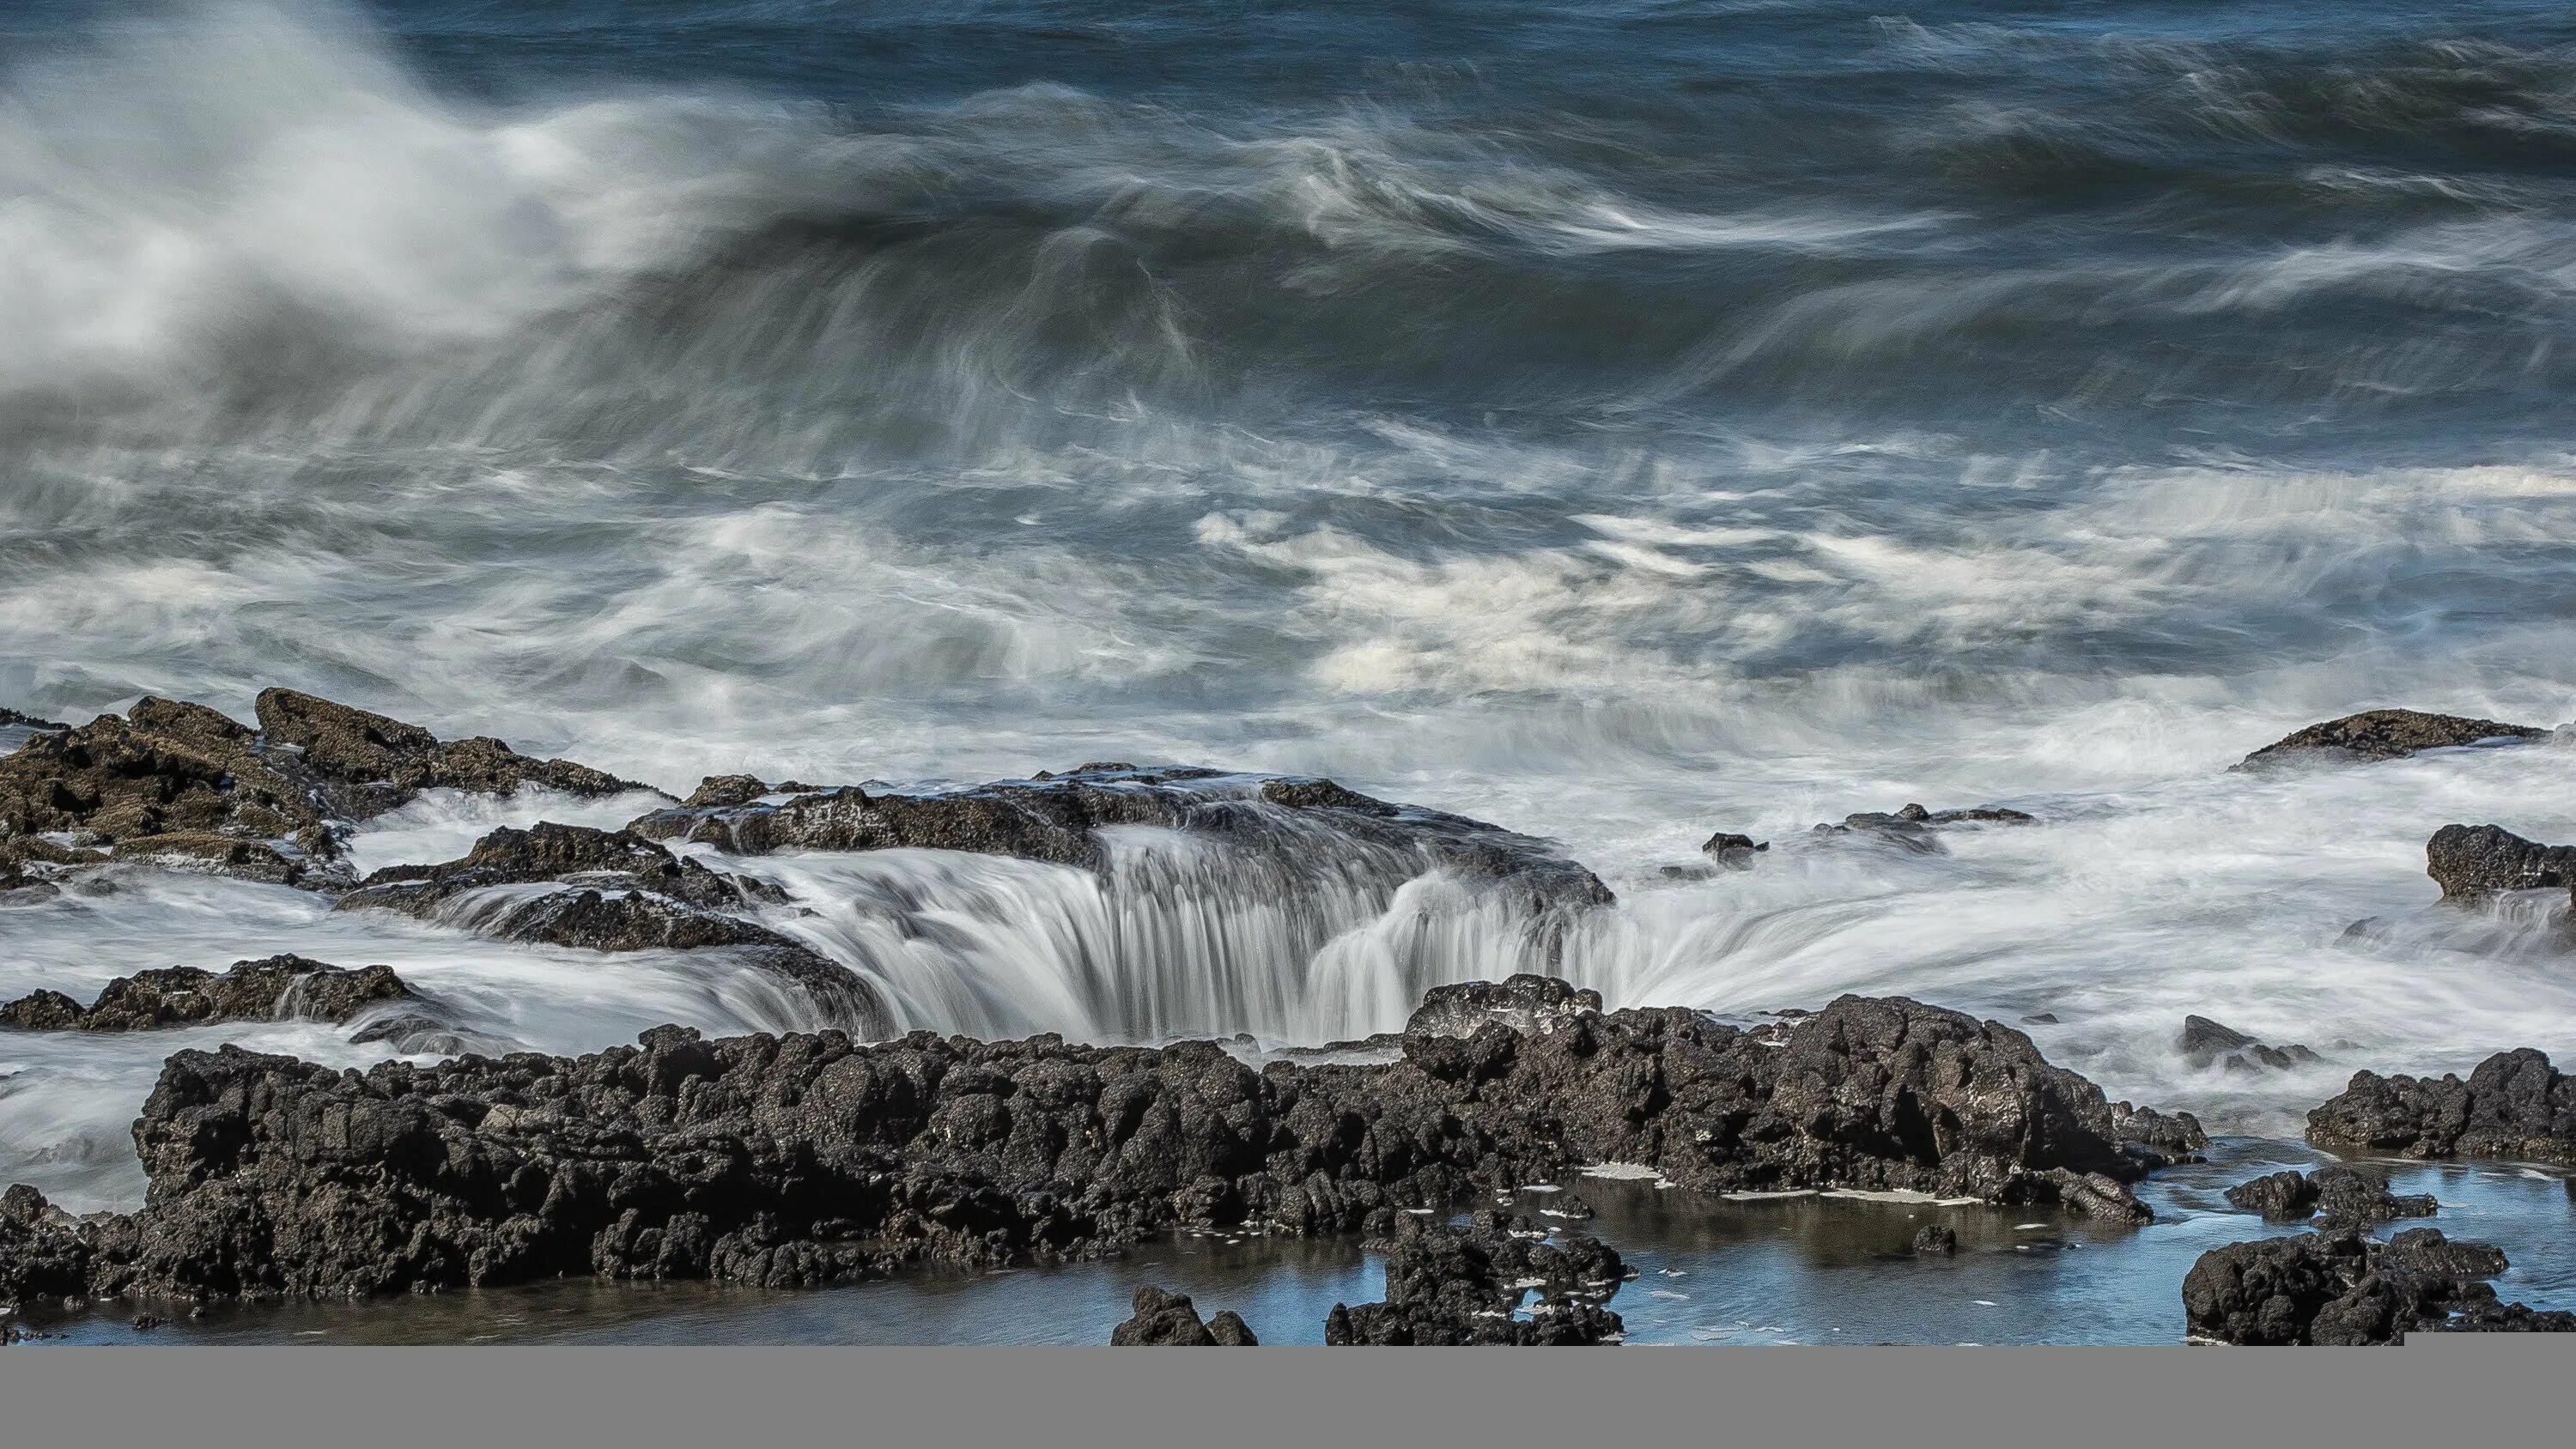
2383 734
1464 1285
1169 1319
2514 1105
2337 1195
2344 1288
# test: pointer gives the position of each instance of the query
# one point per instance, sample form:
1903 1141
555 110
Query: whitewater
1977 408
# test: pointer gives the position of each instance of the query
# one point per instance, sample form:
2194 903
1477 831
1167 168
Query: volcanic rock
1163 1319
2339 1196
1525 1003
2474 862
2342 1287
2514 1105
277 988
370 763
1056 819
811 1158
617 892
1912 827
1463 1285
2205 1043
1731 850
2383 734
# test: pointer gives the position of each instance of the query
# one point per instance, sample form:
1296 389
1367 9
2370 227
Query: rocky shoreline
853 1152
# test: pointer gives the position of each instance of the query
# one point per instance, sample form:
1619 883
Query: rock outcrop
268 990
180 784
1166 1319
614 891
2474 862
2346 1288
1913 828
1453 1286
1056 818
1525 1003
2336 1196
812 1158
1935 1241
2205 1043
1733 851
2514 1105
2383 734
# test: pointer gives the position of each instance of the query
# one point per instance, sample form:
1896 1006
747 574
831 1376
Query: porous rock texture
2472 863
182 785
2342 1287
2515 1104
2383 734
811 1158
266 990
1165 1319
1450 1286
2337 1196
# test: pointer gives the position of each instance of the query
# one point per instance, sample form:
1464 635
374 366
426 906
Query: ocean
1616 421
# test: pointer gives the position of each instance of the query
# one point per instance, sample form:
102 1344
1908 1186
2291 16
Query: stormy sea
1394 483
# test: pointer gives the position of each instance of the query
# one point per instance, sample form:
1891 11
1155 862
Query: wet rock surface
2515 1104
811 1158
2475 862
1055 818
614 892
1732 850
2338 1196
266 990
2341 1287
1459 1285
1525 1003
179 784
2205 1043
369 763
2383 734
1165 1319
1915 828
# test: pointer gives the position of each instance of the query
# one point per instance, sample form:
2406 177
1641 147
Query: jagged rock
2383 734
619 892
1935 1241
1525 1003
2474 862
1463 1285
1912 827
2514 1105
180 784
721 790
1731 850
267 990
2205 1043
14 719
811 1158
1055 818
1169 1319
2175 1134
2339 1196
372 763
2342 1287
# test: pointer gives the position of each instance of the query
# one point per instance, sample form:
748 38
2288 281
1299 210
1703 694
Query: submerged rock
1731 850
1912 827
1454 1286
1169 1319
2346 1288
2204 1043
614 892
1056 819
2340 1196
2514 1105
1935 1241
268 990
2474 862
2383 734
811 1158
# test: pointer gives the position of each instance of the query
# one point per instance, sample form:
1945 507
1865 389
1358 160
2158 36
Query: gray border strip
765 1398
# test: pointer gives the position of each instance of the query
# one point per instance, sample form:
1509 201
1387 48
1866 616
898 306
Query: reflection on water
1790 1270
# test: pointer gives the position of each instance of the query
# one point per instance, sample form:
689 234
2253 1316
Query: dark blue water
1616 421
